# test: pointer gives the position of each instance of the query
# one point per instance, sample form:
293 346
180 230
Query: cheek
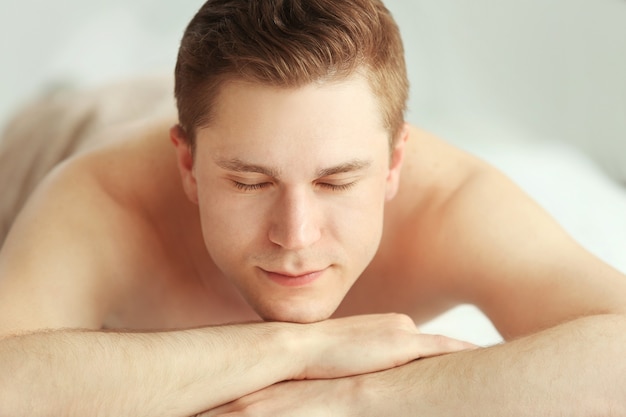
226 225
360 221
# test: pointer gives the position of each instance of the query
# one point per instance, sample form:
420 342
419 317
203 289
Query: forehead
340 104
295 129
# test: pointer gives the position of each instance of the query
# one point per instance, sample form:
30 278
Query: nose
295 221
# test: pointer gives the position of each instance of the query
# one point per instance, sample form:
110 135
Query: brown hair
289 43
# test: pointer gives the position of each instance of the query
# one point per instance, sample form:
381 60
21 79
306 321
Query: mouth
298 279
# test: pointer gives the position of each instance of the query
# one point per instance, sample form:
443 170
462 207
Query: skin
308 184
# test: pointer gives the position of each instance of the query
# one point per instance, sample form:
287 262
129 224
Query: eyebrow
350 166
237 165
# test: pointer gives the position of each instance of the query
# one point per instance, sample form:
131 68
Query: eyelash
250 187
333 187
260 186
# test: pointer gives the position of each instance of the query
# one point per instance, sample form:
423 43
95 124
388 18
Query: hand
338 349
363 344
316 398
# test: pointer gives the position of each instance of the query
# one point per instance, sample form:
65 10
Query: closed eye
336 187
251 187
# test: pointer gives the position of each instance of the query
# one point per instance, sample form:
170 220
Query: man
133 281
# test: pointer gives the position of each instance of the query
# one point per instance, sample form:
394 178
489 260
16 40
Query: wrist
296 342
363 395
307 350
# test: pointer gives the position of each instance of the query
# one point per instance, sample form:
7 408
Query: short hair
289 43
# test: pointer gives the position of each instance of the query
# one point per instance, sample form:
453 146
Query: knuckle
402 320
447 344
439 340
393 317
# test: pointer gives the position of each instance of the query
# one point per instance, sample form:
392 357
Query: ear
184 157
395 167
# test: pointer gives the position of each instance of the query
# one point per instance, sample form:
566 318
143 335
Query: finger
220 414
430 345
216 412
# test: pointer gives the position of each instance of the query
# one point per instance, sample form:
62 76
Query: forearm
139 374
575 369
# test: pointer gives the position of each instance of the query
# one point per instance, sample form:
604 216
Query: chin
296 315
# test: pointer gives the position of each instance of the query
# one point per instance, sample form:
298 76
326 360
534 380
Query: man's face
291 186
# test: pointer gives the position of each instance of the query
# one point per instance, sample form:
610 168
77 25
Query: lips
294 279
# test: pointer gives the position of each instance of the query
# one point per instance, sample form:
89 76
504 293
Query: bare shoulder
434 173
434 166
471 235
69 257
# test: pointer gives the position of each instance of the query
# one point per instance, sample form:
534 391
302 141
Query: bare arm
181 373
78 373
574 369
